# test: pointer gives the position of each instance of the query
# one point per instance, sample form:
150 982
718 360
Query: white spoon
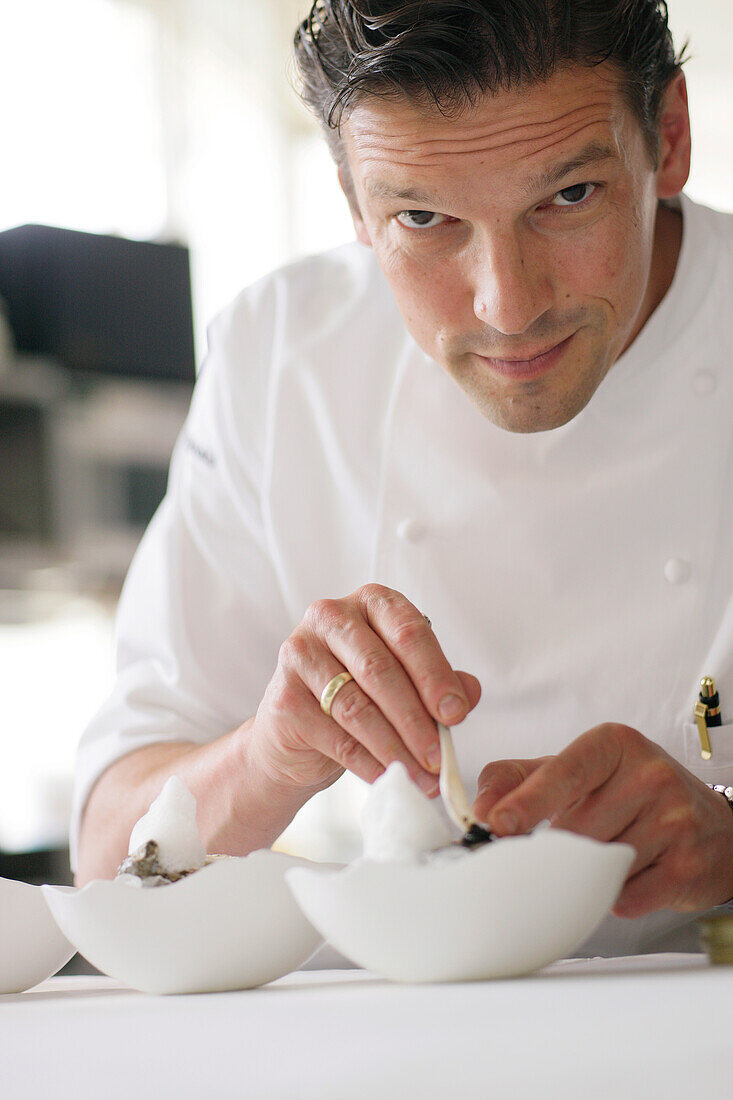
454 794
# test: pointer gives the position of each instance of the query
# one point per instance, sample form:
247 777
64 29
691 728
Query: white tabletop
651 1026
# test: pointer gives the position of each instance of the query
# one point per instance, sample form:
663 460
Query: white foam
398 821
171 823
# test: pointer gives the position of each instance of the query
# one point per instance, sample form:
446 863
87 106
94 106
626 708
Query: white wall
708 24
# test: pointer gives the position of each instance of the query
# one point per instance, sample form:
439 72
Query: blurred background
156 161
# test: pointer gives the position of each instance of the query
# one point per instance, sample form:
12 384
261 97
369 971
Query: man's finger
644 836
355 719
559 783
406 633
331 740
499 778
615 811
359 644
471 686
644 893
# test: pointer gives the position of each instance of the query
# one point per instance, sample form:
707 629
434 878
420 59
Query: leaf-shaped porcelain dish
231 925
31 946
507 908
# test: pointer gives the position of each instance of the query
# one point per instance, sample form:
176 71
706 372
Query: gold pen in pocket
707 713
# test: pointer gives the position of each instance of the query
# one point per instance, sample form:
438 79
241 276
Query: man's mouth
534 363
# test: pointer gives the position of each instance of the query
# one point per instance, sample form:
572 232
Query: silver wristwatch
727 792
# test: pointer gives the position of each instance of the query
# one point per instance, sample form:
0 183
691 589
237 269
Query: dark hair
449 52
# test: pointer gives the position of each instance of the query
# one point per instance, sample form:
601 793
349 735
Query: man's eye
573 196
420 219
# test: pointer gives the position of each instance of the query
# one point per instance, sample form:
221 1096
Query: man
502 413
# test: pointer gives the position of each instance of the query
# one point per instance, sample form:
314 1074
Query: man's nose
512 286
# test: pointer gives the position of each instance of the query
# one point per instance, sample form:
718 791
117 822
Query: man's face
518 238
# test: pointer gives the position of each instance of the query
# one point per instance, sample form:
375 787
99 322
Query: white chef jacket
584 574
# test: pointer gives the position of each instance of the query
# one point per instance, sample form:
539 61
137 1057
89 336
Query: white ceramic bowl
31 946
232 925
507 908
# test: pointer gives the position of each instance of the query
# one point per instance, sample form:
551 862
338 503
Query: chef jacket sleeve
201 616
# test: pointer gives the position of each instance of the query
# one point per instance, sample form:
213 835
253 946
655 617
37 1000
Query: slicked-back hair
451 52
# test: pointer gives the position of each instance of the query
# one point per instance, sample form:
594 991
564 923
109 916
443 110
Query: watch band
727 792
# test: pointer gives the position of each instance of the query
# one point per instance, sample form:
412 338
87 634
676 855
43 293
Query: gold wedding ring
331 690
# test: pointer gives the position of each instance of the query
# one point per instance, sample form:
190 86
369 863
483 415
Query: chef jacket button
704 382
411 530
678 571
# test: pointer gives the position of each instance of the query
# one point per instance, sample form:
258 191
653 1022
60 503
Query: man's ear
347 186
675 141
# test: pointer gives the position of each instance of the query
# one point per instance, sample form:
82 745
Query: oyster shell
143 867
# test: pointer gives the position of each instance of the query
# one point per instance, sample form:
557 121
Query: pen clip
701 711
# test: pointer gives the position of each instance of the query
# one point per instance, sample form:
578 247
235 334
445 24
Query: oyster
165 844
144 865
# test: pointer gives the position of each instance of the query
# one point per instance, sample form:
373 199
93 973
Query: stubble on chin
531 410
540 404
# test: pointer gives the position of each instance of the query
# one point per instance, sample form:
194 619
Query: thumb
471 686
498 779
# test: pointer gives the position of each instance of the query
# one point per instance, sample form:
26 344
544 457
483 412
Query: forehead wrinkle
434 150
541 178
490 130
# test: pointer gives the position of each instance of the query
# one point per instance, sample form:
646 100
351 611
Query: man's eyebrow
593 153
380 189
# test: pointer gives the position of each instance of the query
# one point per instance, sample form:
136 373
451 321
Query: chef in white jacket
509 407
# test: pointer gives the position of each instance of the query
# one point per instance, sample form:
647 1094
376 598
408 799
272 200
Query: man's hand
402 684
250 782
614 784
